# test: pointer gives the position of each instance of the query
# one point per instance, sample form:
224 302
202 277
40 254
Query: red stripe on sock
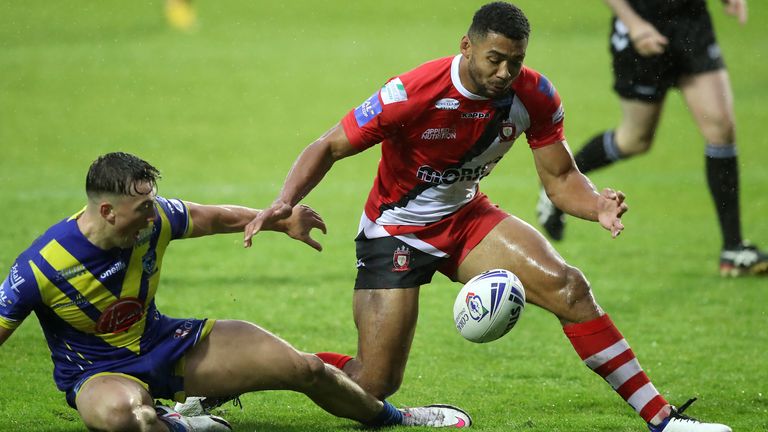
611 365
591 337
631 385
652 408
335 359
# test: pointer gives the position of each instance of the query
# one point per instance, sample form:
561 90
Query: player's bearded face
493 64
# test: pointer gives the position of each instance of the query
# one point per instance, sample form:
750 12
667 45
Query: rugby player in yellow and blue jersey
91 279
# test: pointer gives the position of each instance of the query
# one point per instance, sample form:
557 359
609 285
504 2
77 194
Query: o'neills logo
120 315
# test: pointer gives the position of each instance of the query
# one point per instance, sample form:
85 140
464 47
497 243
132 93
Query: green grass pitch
223 112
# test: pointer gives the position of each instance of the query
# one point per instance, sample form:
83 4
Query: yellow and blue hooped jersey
96 307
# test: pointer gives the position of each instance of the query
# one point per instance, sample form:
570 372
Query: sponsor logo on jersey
475 115
368 110
72 272
177 205
79 300
439 134
508 131
428 174
475 305
546 88
115 268
393 91
3 296
120 315
447 104
557 117
401 259
15 278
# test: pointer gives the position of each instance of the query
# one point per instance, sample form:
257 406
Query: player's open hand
647 40
610 208
737 8
300 223
266 219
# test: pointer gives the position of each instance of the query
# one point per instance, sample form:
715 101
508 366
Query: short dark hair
118 173
499 17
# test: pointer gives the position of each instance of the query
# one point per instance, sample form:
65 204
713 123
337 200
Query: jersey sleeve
178 216
380 116
19 295
546 114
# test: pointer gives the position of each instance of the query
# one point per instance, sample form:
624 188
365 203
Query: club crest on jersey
508 131
401 259
447 104
475 306
148 263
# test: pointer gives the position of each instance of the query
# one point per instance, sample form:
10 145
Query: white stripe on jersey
371 230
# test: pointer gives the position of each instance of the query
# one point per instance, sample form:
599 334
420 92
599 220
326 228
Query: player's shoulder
533 85
171 206
428 77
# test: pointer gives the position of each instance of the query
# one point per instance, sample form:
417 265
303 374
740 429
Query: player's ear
107 211
465 46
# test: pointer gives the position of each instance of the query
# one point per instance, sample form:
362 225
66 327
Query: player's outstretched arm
572 192
307 171
219 219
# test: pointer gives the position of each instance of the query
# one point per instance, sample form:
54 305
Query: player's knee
309 371
121 415
635 143
380 384
574 300
720 131
576 289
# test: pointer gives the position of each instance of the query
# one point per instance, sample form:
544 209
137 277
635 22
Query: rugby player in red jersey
443 127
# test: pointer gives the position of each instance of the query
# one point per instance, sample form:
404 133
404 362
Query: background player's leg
113 402
239 357
386 321
562 289
710 101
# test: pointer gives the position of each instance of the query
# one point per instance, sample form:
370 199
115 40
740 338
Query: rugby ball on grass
489 305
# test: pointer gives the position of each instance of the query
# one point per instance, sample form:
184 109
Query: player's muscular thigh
549 281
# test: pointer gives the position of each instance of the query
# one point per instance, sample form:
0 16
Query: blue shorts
160 369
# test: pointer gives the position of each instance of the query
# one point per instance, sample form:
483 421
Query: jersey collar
457 81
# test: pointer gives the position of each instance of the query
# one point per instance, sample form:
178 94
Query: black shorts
692 49
400 256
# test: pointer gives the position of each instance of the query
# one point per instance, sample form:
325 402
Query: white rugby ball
489 305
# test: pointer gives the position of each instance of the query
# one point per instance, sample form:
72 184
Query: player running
656 45
91 279
443 127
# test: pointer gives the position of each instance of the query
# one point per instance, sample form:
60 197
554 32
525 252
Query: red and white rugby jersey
439 140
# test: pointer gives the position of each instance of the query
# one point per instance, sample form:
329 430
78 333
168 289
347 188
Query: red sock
335 359
604 350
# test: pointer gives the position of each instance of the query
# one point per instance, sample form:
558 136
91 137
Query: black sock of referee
600 151
723 179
